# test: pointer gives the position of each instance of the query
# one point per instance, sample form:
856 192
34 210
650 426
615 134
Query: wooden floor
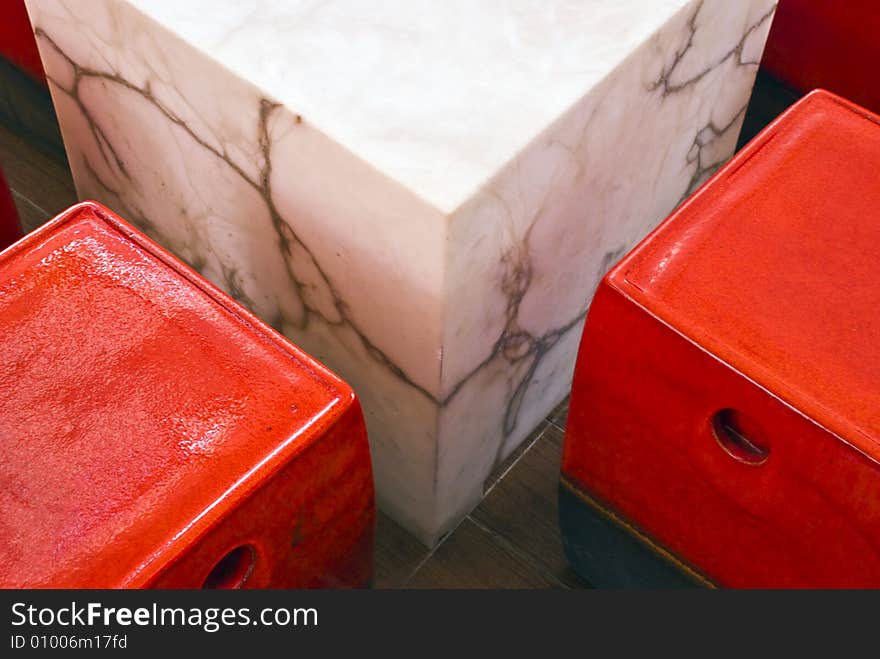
511 540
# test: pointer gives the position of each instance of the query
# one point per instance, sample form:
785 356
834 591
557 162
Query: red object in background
10 228
829 44
726 400
17 42
156 434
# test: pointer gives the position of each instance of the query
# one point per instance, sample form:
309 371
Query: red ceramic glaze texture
150 425
10 228
17 43
829 44
759 295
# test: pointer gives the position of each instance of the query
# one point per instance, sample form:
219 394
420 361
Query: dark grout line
557 425
518 454
21 199
512 548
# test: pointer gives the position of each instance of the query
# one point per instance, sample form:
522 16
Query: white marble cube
422 194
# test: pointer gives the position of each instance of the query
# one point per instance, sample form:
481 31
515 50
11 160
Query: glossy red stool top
727 395
151 426
10 228
827 43
774 268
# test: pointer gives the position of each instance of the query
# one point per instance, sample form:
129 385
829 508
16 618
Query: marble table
424 195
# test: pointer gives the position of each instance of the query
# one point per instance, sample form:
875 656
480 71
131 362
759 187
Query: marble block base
423 195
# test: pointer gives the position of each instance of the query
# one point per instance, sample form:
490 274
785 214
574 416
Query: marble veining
453 308
317 295
671 81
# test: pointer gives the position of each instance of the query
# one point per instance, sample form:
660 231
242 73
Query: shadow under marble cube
423 195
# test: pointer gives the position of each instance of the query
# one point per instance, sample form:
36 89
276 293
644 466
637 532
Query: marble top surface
438 95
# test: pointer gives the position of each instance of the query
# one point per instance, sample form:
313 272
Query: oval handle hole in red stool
233 570
731 432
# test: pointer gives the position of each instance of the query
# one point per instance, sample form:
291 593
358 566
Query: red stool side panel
310 526
640 440
10 228
829 44
17 42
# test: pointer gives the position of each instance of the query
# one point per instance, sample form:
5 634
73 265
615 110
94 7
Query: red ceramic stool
10 229
725 416
827 43
156 434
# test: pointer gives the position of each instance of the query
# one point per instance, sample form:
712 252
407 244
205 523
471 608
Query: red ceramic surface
830 44
759 296
151 426
17 43
10 228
